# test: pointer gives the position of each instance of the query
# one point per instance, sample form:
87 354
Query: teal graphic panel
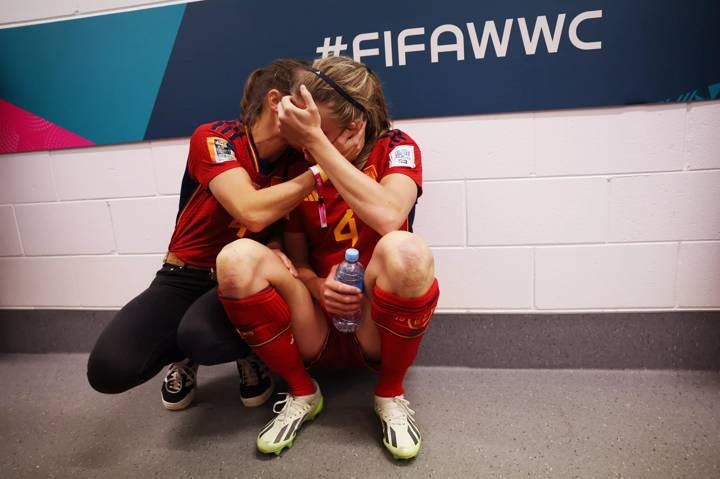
97 77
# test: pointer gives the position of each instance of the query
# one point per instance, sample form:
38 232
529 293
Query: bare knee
237 266
407 266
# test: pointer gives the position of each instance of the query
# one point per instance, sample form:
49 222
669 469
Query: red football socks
402 323
263 321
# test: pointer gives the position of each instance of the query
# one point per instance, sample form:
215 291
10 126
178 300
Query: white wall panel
608 276
65 228
104 172
440 214
26 178
537 211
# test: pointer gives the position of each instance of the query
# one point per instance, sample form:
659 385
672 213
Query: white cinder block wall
611 209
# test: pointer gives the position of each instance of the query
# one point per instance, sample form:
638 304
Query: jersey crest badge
220 150
402 155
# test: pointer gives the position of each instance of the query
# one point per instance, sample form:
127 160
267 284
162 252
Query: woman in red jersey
234 187
366 203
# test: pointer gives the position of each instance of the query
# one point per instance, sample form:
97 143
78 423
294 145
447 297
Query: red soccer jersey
203 226
395 152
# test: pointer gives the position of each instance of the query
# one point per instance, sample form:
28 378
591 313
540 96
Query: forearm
369 199
265 206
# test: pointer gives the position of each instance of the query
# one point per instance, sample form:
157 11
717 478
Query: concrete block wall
609 209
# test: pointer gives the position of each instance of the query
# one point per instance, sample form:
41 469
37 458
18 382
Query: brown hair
278 75
358 82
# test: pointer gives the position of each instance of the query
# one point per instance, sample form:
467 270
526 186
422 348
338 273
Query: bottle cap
352 255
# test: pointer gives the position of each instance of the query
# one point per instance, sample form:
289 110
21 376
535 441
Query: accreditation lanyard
318 174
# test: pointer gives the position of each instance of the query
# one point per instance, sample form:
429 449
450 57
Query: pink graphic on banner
20 130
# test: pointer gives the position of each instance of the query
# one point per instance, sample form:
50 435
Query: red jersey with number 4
203 226
394 153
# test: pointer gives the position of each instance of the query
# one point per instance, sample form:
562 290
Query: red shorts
341 351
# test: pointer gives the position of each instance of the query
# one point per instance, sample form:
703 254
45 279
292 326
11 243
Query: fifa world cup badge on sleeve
402 155
220 150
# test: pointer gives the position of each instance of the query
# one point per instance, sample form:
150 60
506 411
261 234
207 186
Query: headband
338 89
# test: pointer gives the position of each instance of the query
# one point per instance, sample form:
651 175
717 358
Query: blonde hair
360 84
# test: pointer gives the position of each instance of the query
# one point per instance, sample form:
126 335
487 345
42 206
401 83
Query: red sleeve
400 154
210 154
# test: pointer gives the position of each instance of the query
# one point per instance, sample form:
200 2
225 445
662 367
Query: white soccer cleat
401 435
294 411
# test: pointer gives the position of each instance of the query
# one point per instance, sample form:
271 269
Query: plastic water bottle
350 272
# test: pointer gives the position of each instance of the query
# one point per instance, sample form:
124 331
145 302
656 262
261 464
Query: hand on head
351 141
301 122
298 125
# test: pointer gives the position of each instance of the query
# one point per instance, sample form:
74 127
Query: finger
286 104
307 96
343 298
341 288
359 133
289 265
291 268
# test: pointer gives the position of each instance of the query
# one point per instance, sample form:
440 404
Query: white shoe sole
179 406
260 400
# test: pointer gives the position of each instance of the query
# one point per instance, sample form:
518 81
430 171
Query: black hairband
338 88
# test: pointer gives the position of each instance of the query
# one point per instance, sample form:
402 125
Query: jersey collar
261 166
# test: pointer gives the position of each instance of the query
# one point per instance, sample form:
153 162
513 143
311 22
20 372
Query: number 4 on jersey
346 229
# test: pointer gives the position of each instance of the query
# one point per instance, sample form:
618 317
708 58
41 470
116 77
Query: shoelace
176 376
290 406
397 415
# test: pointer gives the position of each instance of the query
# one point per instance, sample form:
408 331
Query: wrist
318 173
315 141
308 182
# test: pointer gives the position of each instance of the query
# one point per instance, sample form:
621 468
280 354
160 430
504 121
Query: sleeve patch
403 155
220 150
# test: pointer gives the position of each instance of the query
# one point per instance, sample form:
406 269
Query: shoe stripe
385 431
415 428
291 431
393 438
280 434
267 427
415 440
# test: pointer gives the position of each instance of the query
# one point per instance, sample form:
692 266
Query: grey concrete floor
476 423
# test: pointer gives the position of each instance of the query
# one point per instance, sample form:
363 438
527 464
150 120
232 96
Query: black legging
177 316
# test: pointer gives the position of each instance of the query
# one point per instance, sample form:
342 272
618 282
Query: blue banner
434 58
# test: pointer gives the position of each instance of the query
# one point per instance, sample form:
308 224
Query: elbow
389 222
255 226
256 222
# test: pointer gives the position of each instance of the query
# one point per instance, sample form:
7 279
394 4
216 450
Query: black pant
178 316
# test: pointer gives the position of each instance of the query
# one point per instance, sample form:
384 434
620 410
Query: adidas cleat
294 411
401 435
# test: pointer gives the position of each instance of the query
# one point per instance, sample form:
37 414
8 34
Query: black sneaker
178 389
256 383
